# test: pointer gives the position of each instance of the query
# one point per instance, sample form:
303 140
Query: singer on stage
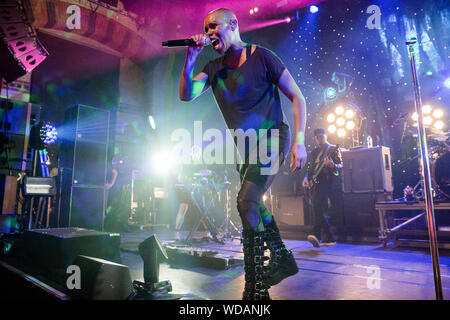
245 82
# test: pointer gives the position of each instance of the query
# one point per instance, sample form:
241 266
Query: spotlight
447 83
330 93
341 132
48 133
339 110
349 114
42 134
439 125
350 125
288 19
331 117
426 109
332 128
313 9
438 113
152 122
414 116
340 121
162 162
427 120
255 10
264 198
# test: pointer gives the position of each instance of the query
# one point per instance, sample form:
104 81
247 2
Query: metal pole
426 176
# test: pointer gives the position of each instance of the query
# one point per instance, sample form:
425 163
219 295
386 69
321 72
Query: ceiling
174 19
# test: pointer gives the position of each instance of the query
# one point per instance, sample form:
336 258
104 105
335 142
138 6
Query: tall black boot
255 288
282 263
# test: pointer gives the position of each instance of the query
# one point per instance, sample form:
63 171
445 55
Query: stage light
438 113
330 93
162 162
447 83
251 11
414 116
264 198
341 132
331 118
349 114
439 125
288 19
48 133
426 109
152 122
313 9
350 125
332 128
427 120
339 110
255 10
340 121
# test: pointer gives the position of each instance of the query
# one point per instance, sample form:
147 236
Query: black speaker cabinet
289 210
367 170
84 163
360 216
58 247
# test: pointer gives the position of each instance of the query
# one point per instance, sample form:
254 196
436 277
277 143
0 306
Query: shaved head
226 15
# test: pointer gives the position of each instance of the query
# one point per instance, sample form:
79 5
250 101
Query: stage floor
341 272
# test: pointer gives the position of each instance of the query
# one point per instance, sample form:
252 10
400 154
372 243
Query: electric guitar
314 179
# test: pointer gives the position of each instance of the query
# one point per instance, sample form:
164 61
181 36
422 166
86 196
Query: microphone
184 43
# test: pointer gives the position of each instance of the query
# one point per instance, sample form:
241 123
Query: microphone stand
426 176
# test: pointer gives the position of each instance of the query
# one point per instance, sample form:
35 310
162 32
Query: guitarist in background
323 176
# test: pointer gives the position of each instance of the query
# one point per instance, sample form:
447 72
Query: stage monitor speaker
289 210
102 280
57 248
20 49
367 170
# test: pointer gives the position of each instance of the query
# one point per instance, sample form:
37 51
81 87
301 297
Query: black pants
328 189
254 184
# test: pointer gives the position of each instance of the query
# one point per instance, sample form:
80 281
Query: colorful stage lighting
350 125
339 110
330 93
313 9
340 121
447 83
331 118
439 125
349 114
49 135
332 129
341 132
288 19
426 109
438 113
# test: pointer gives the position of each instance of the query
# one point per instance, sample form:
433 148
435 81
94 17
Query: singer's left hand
298 156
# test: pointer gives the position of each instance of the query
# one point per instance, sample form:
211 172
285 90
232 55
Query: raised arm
290 89
191 87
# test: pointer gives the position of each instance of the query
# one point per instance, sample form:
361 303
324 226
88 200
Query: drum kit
439 155
210 193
